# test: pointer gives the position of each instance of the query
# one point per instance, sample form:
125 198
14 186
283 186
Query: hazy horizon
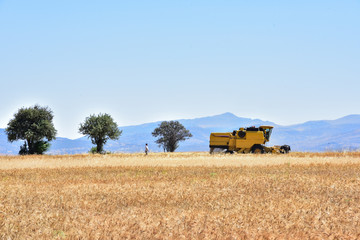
283 125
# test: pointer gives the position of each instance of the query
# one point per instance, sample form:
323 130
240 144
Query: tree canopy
100 129
170 133
34 125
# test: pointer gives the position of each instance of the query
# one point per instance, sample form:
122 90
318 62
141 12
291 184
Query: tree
34 125
100 128
170 134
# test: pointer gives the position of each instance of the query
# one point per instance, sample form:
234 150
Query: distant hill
325 135
5 146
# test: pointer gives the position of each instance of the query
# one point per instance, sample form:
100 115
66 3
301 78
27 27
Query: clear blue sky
143 61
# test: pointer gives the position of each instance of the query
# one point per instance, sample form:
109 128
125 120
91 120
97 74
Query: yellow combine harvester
246 140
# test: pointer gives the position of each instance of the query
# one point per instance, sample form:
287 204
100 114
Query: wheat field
180 196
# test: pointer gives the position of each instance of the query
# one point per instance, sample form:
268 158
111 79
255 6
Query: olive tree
33 125
170 133
100 129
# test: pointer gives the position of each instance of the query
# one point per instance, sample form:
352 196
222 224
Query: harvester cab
267 132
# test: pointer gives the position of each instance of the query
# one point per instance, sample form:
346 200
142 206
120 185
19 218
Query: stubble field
181 196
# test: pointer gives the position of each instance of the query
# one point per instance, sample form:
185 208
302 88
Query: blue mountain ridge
322 135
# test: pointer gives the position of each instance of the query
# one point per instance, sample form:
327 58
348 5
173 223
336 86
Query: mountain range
324 135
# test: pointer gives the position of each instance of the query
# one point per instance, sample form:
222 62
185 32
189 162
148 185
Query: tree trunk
99 147
30 146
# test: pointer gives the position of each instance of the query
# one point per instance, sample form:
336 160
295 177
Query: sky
145 61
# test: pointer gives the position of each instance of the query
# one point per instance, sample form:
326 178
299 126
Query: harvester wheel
211 150
257 149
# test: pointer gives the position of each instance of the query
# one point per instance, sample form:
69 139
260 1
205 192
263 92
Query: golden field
180 196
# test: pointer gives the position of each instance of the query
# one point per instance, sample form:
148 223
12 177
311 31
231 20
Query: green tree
170 134
33 125
100 128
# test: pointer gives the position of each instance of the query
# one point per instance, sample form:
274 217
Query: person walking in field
146 149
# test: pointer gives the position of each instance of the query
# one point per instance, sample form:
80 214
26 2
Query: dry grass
174 159
129 196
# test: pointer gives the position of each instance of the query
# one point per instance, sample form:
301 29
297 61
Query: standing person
146 149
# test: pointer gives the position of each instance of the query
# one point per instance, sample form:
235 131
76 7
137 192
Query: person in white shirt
146 149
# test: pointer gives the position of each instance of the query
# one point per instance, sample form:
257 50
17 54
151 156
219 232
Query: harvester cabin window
267 133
